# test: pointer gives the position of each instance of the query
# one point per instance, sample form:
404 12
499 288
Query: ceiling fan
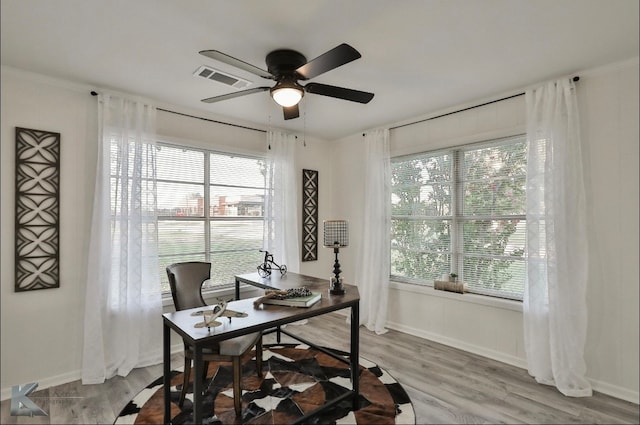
287 67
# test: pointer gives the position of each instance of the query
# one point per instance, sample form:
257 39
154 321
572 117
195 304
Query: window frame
207 218
457 219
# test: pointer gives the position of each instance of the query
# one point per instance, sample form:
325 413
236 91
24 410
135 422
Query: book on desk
307 301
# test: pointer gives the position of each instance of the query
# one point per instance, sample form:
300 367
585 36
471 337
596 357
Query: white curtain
555 311
281 203
123 308
372 273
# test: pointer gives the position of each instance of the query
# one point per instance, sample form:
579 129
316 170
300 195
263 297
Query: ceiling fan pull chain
304 134
270 130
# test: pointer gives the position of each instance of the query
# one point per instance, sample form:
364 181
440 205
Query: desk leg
355 354
237 289
197 385
166 381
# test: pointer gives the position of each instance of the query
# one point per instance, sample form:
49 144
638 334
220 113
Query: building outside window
210 208
462 210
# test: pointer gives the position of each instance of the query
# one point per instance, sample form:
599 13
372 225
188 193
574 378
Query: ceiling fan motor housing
283 63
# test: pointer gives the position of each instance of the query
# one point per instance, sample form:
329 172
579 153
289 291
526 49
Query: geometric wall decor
309 215
37 223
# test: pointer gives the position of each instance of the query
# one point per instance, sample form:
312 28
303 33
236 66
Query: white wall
42 331
608 100
316 156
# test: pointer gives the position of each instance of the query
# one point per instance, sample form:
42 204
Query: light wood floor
446 386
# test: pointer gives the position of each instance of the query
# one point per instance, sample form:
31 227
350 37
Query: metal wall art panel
37 209
309 215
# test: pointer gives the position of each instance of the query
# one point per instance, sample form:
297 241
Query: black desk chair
186 281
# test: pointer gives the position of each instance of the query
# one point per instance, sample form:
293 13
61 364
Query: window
210 208
462 210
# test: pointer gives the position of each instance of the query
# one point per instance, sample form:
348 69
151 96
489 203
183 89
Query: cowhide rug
296 380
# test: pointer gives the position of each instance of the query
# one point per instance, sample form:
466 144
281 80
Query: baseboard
472 348
65 378
51 381
599 386
615 391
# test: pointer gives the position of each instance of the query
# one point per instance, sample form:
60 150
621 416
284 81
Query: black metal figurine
264 269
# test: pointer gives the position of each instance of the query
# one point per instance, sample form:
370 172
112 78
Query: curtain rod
575 79
93 93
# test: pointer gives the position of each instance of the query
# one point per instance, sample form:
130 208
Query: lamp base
336 287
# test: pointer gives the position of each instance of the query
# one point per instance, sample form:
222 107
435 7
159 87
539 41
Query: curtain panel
555 308
372 273
122 325
281 235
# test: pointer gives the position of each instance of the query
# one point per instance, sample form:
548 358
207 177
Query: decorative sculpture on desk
209 316
336 236
264 269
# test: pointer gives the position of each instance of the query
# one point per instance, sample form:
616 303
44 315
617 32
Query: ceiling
418 56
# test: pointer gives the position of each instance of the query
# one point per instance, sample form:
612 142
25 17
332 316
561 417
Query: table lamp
336 236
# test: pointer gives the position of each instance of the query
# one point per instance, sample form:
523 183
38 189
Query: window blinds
462 210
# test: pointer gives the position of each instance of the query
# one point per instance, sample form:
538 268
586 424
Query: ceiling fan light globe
287 96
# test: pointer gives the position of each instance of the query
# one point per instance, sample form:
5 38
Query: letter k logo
21 405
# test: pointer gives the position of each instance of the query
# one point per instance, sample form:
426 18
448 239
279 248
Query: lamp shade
287 96
336 233
287 92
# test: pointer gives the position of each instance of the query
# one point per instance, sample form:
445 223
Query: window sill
469 298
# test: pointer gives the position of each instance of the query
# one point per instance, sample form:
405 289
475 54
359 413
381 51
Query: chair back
186 281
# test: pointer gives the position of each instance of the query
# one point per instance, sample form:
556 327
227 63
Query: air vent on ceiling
221 77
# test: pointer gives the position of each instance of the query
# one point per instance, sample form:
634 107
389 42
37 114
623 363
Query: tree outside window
462 211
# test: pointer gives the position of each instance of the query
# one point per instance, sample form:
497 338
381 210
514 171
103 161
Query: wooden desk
264 318
288 281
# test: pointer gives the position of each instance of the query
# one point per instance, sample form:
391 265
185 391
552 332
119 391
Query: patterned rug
296 380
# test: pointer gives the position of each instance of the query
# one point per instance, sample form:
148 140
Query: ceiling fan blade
230 60
339 92
291 112
235 94
327 61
